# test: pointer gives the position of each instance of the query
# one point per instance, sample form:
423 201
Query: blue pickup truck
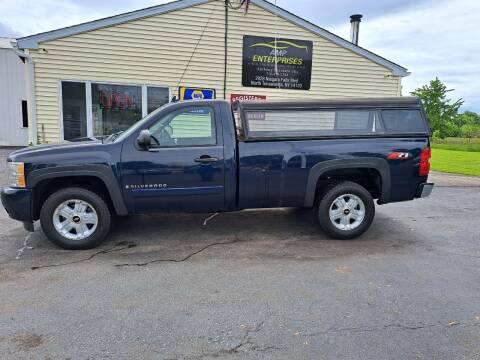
335 156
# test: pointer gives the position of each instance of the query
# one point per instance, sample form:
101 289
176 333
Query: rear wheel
75 218
346 210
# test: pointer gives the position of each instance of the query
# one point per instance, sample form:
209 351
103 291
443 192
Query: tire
345 220
82 211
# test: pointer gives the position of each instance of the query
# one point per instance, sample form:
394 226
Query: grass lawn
454 161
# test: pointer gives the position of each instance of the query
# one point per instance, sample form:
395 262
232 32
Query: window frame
377 109
335 110
88 100
214 128
425 124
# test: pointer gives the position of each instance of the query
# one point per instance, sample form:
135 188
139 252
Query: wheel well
47 187
369 178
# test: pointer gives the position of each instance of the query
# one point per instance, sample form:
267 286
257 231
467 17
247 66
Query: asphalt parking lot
263 284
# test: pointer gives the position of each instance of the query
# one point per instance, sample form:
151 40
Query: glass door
74 110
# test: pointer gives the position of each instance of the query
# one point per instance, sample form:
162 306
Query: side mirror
144 139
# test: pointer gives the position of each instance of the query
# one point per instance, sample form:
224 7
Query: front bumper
424 190
17 203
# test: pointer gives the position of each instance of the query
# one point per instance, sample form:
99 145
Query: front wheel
346 210
75 218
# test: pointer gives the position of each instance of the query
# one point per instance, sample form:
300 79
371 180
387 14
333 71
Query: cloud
433 39
26 17
7 31
333 13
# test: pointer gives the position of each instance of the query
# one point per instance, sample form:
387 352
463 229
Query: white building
14 111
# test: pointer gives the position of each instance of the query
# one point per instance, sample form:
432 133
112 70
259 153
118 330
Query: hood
24 153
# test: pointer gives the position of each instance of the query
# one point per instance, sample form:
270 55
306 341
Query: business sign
187 93
280 63
246 97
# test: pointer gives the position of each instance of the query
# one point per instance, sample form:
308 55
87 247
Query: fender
102 172
381 165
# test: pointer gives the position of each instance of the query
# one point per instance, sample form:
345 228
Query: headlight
16 174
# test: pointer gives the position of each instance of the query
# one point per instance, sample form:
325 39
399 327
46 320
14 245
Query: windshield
137 125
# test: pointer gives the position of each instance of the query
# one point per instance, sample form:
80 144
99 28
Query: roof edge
397 70
31 42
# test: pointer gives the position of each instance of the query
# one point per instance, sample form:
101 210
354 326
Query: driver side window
191 126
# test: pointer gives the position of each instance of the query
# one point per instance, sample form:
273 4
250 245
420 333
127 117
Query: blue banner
187 93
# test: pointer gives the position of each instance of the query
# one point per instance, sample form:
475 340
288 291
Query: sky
431 38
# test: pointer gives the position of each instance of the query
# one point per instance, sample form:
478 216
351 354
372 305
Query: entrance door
184 168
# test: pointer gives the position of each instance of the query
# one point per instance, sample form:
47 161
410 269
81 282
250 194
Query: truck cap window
403 121
273 123
191 126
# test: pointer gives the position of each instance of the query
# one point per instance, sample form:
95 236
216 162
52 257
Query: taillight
424 166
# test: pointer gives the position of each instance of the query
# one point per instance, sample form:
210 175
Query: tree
442 113
468 118
470 131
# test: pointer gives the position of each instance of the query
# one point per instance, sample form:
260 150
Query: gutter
32 101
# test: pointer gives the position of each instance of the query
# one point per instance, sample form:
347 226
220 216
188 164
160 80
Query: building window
156 97
74 110
24 113
98 109
115 107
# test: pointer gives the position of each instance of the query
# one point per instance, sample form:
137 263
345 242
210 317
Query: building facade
14 102
100 77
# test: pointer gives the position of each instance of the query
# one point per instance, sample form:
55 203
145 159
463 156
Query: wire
276 30
196 46
233 7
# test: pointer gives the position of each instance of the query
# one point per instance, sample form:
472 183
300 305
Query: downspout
32 116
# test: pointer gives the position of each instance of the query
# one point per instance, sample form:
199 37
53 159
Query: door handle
205 159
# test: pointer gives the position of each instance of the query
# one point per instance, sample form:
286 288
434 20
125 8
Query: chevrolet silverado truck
335 156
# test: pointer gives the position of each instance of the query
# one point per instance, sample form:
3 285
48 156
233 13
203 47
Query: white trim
60 110
144 101
161 87
32 101
89 110
60 105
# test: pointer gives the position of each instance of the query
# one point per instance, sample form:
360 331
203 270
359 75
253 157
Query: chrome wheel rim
75 219
347 212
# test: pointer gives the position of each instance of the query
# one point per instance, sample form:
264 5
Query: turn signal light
16 174
424 166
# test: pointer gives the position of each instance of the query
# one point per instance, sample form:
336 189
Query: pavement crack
186 258
246 342
386 327
459 254
117 247
25 246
